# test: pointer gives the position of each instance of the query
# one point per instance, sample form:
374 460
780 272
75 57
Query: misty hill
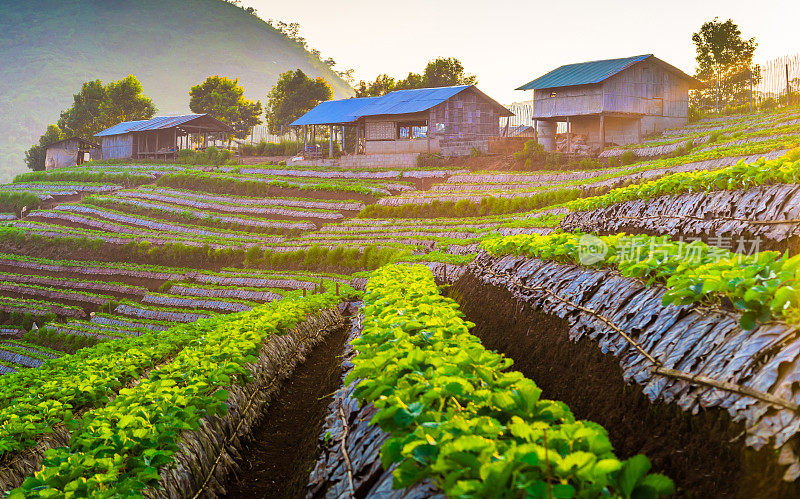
49 47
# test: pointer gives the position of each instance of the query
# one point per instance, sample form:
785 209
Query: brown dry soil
282 450
703 454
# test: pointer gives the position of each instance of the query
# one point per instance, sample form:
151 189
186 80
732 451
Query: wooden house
611 102
446 120
160 137
70 152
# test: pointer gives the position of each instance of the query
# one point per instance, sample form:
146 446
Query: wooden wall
118 146
647 90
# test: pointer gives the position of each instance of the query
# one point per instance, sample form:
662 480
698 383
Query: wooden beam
569 138
602 131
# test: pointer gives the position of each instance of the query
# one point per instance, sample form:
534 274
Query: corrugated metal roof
411 101
583 73
155 123
397 102
335 111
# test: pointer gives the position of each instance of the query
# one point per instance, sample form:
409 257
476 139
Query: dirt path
281 453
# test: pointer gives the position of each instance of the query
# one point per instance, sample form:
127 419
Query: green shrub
695 114
211 156
627 158
768 104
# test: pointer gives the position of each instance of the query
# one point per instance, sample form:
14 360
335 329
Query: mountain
49 47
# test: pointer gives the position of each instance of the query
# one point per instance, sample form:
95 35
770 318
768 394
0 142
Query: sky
507 43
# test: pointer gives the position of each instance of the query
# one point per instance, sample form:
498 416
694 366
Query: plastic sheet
699 341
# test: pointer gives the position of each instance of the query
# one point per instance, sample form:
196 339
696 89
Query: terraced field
628 331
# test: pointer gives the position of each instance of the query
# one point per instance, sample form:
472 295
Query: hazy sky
507 43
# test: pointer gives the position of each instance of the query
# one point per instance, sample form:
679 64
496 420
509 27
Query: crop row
91 268
735 123
127 322
785 169
171 314
228 203
238 292
85 175
716 132
761 286
33 401
216 304
120 234
338 173
96 330
115 288
94 217
255 281
260 186
61 187
207 218
56 294
38 307
455 413
211 211
123 446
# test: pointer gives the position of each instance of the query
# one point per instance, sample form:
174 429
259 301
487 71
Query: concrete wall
401 146
404 160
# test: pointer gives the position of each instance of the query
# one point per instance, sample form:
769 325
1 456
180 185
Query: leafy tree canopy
83 117
224 99
440 72
35 156
125 101
725 59
294 95
94 108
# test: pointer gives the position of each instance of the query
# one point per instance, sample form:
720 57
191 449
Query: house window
412 130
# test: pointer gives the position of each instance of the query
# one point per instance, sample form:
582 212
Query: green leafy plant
457 415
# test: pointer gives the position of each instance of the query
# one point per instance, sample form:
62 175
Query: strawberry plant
457 415
761 286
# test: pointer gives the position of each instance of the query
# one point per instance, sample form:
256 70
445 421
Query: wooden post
428 133
639 131
788 88
343 144
330 142
175 144
602 131
337 289
750 72
569 136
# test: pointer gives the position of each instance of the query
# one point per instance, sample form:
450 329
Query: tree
440 72
81 119
35 156
224 99
382 85
725 62
294 95
447 72
124 101
94 108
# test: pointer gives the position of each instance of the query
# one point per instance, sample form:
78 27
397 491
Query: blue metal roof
397 102
583 73
155 123
335 111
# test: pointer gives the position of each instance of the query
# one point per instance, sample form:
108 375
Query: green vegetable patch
458 416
